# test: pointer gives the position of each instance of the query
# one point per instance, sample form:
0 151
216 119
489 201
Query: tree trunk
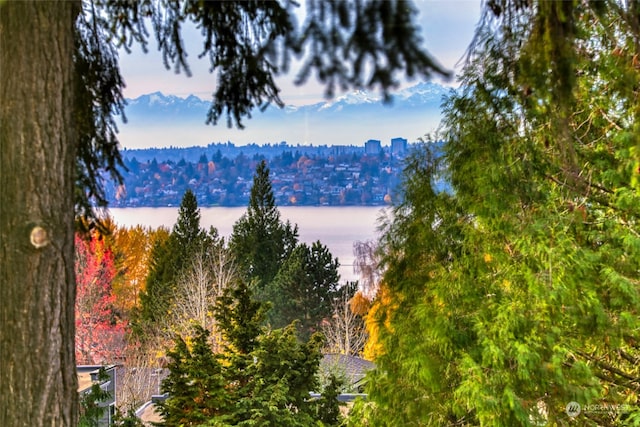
38 383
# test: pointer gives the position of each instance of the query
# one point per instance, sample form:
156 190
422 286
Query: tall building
372 146
398 146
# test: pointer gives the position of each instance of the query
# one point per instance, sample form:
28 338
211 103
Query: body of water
336 227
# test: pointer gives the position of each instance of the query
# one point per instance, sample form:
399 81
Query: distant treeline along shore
221 174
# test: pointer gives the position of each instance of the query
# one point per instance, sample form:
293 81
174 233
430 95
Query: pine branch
608 367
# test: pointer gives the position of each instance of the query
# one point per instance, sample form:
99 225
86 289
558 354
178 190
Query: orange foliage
133 249
359 304
302 162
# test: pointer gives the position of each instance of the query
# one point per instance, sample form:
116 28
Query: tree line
512 299
299 179
258 310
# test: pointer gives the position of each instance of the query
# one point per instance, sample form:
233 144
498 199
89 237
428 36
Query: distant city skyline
448 28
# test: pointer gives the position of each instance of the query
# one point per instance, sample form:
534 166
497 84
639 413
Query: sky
447 26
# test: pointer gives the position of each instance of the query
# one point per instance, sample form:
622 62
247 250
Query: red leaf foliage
100 333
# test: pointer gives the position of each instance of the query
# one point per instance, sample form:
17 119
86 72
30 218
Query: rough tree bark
38 381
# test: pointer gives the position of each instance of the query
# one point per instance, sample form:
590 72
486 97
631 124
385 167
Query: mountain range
159 120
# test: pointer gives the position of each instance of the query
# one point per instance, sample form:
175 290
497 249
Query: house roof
149 414
87 373
353 368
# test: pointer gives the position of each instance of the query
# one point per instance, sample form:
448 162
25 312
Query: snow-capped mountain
350 119
157 105
357 97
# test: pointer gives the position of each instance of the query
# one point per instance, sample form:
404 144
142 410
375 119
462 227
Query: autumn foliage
100 332
378 321
132 251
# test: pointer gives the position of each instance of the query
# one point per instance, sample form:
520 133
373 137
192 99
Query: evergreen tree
299 281
169 259
328 406
240 318
516 293
260 240
284 371
195 384
304 289
262 378
187 232
272 372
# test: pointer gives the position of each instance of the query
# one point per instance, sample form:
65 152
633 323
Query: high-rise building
398 146
372 146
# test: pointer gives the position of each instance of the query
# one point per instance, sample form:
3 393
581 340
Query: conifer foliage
299 281
263 377
261 241
517 292
304 288
195 383
169 259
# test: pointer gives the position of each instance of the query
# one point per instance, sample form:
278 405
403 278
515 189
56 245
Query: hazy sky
447 26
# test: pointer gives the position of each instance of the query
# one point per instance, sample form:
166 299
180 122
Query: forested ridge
300 176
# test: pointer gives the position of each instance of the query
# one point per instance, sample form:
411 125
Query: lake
336 227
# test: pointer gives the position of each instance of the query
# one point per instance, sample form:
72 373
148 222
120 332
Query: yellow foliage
379 317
